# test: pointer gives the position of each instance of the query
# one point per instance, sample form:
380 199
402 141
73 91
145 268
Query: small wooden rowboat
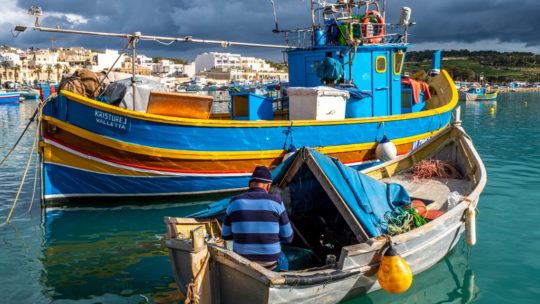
328 215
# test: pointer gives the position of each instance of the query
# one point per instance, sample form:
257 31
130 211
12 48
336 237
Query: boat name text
112 121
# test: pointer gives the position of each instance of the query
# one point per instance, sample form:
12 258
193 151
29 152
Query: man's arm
285 229
226 230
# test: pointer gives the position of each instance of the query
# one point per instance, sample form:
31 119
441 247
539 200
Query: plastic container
318 103
320 37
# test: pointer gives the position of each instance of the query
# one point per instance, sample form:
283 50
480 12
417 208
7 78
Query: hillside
467 65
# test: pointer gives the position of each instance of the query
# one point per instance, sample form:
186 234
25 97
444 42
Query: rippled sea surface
115 255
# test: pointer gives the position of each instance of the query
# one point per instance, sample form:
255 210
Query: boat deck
433 189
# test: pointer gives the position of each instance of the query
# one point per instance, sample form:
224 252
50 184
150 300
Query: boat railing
304 38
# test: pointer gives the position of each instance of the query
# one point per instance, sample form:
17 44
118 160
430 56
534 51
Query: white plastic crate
320 103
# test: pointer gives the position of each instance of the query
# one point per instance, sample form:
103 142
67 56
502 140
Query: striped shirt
257 222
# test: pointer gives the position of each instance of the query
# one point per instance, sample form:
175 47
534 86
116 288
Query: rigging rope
20 137
36 139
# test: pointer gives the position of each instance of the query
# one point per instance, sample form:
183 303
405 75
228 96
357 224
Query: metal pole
133 60
312 23
223 43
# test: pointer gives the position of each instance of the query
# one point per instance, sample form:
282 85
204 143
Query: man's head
261 178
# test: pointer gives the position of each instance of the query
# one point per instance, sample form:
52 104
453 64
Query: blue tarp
356 93
367 198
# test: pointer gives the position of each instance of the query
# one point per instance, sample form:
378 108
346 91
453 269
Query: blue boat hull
9 98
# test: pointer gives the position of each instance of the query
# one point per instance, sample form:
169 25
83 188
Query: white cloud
11 14
74 19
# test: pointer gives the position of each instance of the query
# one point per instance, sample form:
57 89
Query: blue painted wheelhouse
373 72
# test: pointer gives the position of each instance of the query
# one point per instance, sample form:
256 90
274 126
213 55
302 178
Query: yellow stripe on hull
216 155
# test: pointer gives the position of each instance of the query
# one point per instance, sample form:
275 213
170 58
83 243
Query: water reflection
449 281
106 254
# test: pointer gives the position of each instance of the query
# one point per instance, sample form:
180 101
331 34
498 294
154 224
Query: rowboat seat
433 189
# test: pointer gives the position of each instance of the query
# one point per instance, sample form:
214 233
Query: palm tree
66 70
37 70
16 70
58 67
49 70
5 64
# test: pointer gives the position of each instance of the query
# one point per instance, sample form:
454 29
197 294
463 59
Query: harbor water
114 255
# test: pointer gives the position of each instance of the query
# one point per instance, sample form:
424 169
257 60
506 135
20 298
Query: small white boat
206 270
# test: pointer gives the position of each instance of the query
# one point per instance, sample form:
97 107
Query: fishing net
402 220
434 168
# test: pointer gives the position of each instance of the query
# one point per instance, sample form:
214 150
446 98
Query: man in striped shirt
257 222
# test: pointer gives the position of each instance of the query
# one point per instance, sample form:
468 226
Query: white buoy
470 226
386 150
405 16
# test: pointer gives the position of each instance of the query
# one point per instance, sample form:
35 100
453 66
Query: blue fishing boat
346 98
9 97
29 94
479 94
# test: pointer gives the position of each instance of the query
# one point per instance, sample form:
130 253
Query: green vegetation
174 60
467 65
278 65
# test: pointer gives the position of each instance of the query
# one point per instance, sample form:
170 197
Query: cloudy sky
503 25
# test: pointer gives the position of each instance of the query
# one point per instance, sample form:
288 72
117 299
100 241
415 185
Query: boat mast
133 43
312 11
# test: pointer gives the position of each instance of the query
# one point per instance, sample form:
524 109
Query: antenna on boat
276 29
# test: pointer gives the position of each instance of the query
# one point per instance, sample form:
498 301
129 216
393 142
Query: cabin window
380 64
398 62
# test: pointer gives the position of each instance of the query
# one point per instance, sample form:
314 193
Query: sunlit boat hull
91 149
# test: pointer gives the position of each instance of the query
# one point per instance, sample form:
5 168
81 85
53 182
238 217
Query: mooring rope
24 176
29 161
36 170
20 137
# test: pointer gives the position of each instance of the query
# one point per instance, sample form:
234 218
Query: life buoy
373 31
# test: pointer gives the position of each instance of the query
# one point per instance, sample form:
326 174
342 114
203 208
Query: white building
105 60
12 59
210 60
255 64
166 68
144 61
189 70
43 58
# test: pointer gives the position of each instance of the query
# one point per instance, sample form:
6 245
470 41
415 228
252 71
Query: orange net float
373 31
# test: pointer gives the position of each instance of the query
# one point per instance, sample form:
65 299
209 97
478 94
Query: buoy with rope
394 274
386 150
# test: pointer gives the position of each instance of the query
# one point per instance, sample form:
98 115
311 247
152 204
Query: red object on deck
417 86
423 211
41 93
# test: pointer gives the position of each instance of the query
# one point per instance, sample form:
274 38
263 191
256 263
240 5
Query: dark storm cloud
469 21
459 21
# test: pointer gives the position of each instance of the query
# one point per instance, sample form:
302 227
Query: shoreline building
227 67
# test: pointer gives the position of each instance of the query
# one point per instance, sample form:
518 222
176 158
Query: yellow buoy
394 275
